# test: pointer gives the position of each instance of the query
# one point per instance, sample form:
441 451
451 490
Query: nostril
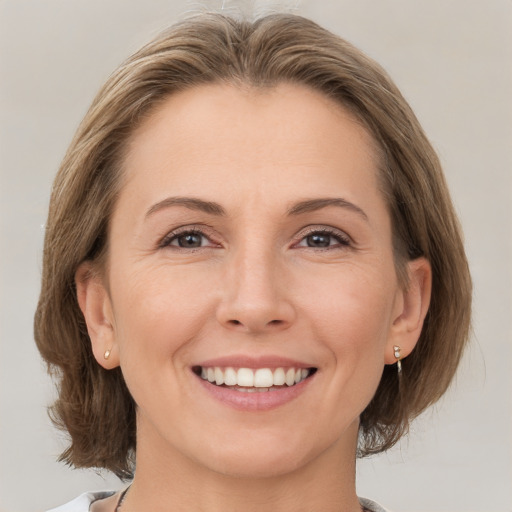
272 322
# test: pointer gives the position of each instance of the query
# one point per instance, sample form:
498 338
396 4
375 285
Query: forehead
215 137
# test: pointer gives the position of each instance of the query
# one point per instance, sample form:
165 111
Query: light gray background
452 60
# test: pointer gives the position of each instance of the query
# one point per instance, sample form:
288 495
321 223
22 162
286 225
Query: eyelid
345 239
198 229
206 231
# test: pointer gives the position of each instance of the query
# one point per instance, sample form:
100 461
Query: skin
254 287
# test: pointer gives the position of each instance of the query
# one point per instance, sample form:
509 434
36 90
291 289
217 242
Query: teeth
219 377
290 377
263 378
250 381
279 377
230 377
245 377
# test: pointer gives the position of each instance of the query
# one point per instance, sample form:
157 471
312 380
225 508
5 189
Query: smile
251 380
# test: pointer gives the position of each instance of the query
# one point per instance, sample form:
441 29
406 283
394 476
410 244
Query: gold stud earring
106 355
398 358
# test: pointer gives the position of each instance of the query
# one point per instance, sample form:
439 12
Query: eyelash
342 239
175 235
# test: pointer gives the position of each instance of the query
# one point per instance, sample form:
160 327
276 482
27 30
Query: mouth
253 380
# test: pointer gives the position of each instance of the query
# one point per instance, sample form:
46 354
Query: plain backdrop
452 60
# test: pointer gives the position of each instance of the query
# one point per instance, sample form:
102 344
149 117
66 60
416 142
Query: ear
95 303
411 308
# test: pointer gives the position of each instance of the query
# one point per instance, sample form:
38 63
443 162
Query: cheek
158 313
352 316
353 306
158 316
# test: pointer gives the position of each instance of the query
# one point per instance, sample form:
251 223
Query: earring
106 355
398 357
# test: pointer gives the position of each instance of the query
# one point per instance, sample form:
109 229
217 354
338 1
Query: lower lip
257 401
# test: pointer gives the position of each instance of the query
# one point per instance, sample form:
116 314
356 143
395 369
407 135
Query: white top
83 502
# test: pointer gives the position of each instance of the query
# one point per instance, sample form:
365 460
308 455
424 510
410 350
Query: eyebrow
213 208
191 203
311 205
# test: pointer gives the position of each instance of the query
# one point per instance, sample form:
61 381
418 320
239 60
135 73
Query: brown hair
94 405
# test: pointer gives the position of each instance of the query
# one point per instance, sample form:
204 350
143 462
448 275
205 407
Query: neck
171 481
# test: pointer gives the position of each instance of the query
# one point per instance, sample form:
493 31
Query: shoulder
371 506
83 502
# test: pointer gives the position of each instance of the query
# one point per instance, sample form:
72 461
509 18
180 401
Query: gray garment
83 502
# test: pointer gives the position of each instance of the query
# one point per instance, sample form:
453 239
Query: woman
252 272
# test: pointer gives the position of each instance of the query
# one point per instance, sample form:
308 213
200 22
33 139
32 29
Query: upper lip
264 361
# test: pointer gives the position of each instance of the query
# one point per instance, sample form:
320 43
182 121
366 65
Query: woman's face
250 244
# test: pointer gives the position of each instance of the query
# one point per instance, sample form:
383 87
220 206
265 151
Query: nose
256 296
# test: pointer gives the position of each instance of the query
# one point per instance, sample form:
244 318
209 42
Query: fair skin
250 232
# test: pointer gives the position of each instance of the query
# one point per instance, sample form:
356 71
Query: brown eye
319 240
189 240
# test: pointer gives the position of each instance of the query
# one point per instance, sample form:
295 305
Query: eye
187 239
324 239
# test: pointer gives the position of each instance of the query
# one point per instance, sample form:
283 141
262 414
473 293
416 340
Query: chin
259 466
260 456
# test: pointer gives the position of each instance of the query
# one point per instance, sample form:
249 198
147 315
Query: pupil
190 240
319 240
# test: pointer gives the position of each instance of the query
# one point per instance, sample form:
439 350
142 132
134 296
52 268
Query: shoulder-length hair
94 405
